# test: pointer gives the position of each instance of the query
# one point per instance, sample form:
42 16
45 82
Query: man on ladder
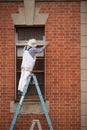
28 62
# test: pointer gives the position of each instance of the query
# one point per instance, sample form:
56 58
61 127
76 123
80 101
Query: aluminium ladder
22 99
35 122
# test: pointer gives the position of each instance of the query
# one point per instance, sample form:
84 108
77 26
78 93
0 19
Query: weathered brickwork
62 66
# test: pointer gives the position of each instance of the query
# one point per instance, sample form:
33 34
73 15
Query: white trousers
23 79
27 66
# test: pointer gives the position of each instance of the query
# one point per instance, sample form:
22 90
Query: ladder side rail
20 104
32 125
42 102
39 125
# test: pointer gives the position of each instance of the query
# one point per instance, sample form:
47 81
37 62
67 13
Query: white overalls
27 66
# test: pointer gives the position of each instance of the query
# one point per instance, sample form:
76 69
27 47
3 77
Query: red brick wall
62 65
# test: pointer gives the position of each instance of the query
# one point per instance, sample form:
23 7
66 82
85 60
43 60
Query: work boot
20 93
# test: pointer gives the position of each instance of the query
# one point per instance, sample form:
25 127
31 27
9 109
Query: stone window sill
29 107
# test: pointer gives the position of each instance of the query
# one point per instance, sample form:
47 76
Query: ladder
35 122
22 99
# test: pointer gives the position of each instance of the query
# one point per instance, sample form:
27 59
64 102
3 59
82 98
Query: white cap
32 43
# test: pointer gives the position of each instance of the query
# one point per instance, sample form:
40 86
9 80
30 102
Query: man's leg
23 80
20 81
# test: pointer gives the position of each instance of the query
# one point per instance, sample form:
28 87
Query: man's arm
33 51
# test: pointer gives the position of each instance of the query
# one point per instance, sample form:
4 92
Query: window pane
39 65
20 51
26 33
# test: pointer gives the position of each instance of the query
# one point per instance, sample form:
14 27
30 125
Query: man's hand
45 44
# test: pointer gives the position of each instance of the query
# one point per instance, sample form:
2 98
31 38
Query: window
23 34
